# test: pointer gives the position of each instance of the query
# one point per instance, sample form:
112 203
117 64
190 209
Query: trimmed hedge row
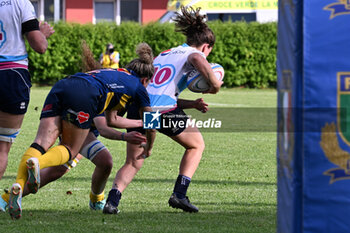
245 50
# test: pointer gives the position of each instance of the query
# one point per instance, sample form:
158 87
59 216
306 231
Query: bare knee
201 145
107 164
191 140
104 162
132 158
134 163
198 146
4 148
3 162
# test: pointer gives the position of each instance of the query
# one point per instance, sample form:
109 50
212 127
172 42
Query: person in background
18 22
110 58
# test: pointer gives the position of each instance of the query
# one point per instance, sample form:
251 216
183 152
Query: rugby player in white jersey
17 22
166 84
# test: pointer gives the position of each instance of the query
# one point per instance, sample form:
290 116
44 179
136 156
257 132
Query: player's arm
150 134
198 104
37 34
144 103
203 67
113 120
110 133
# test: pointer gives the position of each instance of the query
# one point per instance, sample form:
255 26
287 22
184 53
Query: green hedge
246 51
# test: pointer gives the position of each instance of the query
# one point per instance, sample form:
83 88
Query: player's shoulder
184 50
127 76
124 72
23 4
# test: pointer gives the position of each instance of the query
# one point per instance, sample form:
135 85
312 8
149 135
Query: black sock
114 197
38 147
181 186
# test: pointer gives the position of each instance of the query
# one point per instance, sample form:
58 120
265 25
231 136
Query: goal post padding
313 144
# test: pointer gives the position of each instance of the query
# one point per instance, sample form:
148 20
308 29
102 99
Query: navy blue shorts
14 91
175 115
73 99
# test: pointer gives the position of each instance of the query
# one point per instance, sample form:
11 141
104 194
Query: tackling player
69 109
97 153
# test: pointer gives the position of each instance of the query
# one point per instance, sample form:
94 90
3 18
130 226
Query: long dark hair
87 59
192 24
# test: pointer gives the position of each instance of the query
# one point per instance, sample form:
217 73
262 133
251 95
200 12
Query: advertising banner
220 5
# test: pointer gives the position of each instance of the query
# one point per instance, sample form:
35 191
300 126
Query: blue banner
289 57
313 152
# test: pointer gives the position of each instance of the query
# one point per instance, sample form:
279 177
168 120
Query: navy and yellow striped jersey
118 89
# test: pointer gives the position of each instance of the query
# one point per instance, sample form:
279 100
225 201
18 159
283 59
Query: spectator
110 59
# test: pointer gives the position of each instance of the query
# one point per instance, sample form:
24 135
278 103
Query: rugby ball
197 83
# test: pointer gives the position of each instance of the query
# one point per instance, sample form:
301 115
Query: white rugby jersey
13 13
169 79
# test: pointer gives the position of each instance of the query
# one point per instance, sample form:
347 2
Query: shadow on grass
140 215
170 181
214 182
262 220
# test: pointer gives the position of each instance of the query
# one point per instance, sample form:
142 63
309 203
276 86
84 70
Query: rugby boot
15 202
183 204
33 181
97 205
3 205
110 209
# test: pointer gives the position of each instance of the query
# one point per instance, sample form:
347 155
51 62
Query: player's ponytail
142 66
87 59
145 53
192 24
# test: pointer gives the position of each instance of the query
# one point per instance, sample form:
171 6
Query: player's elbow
40 49
102 132
109 123
216 89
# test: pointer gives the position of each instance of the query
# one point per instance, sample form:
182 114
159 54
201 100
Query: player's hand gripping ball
197 83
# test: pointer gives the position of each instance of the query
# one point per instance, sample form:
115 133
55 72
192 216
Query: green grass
234 186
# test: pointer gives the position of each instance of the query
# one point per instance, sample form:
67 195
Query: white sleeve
27 11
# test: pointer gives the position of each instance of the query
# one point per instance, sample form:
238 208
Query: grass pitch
234 186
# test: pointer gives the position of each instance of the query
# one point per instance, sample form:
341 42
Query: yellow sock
97 197
6 197
56 156
22 173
